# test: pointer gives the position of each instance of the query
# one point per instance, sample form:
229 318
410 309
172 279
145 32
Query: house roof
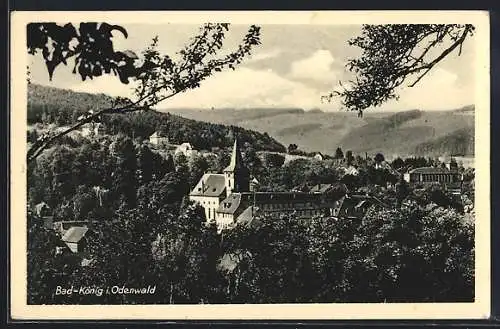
239 201
210 185
354 202
247 217
230 204
278 197
158 134
320 188
75 234
430 170
187 146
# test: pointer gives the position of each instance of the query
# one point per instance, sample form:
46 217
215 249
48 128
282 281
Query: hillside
413 132
51 105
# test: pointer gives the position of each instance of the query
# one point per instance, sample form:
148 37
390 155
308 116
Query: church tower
237 175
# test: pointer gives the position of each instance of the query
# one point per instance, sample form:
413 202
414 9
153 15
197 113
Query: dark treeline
202 135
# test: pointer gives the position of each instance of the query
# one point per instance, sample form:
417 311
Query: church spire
236 158
237 175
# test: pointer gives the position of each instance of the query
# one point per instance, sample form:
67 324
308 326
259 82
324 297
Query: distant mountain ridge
412 132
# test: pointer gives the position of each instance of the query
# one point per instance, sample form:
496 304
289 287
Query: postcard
256 165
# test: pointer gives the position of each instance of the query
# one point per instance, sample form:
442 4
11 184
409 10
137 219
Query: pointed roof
75 234
236 158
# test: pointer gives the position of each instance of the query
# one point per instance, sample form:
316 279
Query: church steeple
236 158
237 174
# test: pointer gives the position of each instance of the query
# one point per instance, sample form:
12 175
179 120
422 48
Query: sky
293 67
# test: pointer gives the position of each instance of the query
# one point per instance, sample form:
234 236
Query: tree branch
445 53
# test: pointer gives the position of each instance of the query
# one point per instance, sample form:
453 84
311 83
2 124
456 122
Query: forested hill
62 107
406 133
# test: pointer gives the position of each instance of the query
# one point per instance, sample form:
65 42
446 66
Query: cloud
244 87
438 90
247 87
260 56
316 67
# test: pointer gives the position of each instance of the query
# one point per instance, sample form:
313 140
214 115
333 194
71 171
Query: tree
145 164
158 77
292 148
379 158
273 160
251 160
339 154
398 163
349 157
124 175
402 191
90 46
198 165
393 54
49 262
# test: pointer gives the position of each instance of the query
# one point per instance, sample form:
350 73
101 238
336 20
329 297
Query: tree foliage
89 45
394 54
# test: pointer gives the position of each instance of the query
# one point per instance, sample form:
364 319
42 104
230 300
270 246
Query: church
229 198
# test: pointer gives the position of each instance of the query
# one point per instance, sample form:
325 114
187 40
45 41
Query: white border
477 310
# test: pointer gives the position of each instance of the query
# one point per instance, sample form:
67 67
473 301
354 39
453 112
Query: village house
62 227
75 239
186 149
432 175
318 156
355 206
43 211
92 129
158 139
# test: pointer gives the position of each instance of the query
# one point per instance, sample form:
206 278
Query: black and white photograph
334 163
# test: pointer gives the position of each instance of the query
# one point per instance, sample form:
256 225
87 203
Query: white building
186 149
318 156
92 129
213 188
158 139
351 170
